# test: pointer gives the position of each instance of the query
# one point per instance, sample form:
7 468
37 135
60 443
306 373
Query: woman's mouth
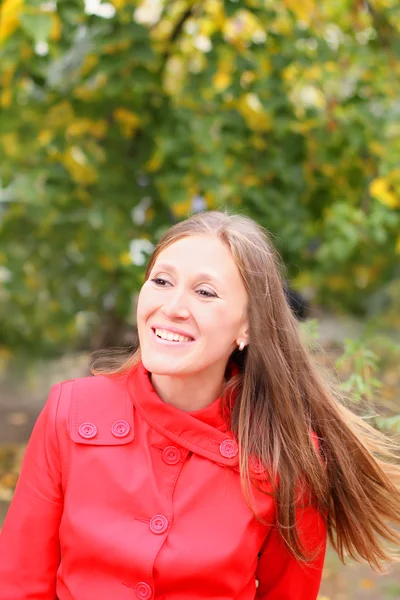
163 336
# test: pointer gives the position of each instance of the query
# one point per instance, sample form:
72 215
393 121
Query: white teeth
168 335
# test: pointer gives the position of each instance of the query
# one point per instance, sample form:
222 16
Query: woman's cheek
219 325
145 302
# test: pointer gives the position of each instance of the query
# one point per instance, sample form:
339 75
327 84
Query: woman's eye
207 294
159 281
202 292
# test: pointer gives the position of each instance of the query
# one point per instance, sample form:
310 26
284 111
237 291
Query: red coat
123 496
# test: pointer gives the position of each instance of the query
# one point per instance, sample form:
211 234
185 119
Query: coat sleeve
280 576
29 542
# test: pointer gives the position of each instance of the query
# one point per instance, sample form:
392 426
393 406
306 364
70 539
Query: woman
213 462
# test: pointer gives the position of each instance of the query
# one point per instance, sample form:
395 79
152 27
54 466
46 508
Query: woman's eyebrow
166 266
203 275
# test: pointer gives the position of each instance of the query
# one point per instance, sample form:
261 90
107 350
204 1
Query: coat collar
203 432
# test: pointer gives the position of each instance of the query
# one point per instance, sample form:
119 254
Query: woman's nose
176 306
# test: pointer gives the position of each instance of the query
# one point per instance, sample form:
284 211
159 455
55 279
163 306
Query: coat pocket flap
101 412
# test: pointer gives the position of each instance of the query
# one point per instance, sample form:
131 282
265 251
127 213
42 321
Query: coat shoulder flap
101 411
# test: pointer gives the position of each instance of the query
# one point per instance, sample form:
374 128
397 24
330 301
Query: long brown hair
282 397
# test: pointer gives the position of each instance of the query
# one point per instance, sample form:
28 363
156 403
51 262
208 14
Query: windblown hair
282 396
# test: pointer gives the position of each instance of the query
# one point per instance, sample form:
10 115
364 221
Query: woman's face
194 289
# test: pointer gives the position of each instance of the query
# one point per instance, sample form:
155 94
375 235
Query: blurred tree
119 118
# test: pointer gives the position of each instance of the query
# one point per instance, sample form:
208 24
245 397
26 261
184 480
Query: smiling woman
194 288
212 462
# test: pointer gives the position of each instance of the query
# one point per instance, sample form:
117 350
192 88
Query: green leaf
37 26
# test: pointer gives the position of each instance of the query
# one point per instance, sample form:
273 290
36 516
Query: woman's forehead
204 254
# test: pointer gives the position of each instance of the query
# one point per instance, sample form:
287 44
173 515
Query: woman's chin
164 366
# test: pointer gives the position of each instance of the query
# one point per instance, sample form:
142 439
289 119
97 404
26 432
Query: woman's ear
243 338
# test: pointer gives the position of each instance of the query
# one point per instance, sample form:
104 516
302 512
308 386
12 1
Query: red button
256 465
120 428
171 455
143 590
228 448
87 430
158 524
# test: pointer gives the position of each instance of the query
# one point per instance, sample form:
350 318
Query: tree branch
176 32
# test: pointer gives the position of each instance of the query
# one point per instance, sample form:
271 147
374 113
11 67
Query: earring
241 346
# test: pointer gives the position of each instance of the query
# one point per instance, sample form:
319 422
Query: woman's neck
188 392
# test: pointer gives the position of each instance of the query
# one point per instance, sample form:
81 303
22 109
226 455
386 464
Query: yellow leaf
290 73
60 115
84 93
155 161
330 66
84 126
31 282
55 32
7 75
379 189
328 169
246 78
44 137
10 144
377 148
303 280
88 91
250 180
118 4
214 13
76 163
125 258
305 127
222 80
6 98
209 197
304 10
182 209
128 121
250 107
282 24
150 214
398 245
10 12
314 72
242 28
258 141
266 65
395 177
90 62
116 47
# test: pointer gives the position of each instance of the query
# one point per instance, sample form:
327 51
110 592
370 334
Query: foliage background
119 118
